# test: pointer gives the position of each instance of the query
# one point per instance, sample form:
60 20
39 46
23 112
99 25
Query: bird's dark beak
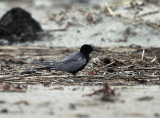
97 49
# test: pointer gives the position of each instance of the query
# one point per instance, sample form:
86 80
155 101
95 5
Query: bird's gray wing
71 63
48 66
71 57
44 63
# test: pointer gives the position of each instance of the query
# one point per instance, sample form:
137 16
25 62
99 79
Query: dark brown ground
118 66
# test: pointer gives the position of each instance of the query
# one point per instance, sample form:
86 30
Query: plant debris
145 98
4 110
13 88
119 66
107 92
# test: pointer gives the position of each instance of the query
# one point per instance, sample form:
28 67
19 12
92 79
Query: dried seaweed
108 93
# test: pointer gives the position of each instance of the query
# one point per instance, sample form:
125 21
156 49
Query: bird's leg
48 70
75 77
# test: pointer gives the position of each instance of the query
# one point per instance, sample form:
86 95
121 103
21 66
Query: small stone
4 110
110 69
72 106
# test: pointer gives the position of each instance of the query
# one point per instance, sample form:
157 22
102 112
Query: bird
72 63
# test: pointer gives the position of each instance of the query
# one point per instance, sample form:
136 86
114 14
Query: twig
141 69
44 20
97 70
106 65
106 91
143 54
130 65
140 80
110 10
154 25
62 29
154 59
149 13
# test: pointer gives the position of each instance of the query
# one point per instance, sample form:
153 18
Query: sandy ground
138 25
39 102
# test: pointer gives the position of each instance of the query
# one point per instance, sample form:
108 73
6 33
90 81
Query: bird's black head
87 48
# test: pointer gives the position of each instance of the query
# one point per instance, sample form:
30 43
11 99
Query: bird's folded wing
43 63
71 64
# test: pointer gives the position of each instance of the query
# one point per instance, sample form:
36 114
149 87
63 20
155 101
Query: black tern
72 63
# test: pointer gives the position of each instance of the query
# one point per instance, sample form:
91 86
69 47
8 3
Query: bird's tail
33 70
42 68
42 63
45 66
48 65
